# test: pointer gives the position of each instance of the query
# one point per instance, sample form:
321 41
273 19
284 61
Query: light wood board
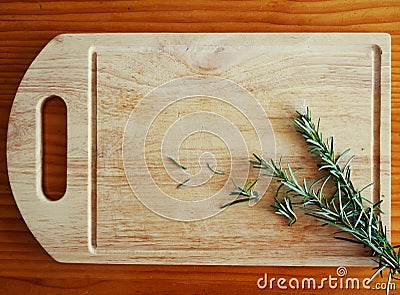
113 85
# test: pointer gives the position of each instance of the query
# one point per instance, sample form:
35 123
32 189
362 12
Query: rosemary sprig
344 208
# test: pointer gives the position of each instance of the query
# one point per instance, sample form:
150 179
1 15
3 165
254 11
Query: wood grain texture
25 27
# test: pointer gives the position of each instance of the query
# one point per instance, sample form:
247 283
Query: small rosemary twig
285 208
247 192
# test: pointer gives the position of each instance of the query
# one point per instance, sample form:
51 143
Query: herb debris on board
357 218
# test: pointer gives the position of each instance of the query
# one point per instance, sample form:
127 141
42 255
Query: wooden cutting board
134 100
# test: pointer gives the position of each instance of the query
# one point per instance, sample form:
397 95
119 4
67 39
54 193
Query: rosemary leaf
215 171
185 183
177 163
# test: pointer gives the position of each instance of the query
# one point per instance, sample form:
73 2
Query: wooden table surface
26 27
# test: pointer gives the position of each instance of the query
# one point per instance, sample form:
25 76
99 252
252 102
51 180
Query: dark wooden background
26 27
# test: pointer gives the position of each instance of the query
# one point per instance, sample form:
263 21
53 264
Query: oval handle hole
54 148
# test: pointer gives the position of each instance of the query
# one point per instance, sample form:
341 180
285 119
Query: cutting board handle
51 222
54 147
43 163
